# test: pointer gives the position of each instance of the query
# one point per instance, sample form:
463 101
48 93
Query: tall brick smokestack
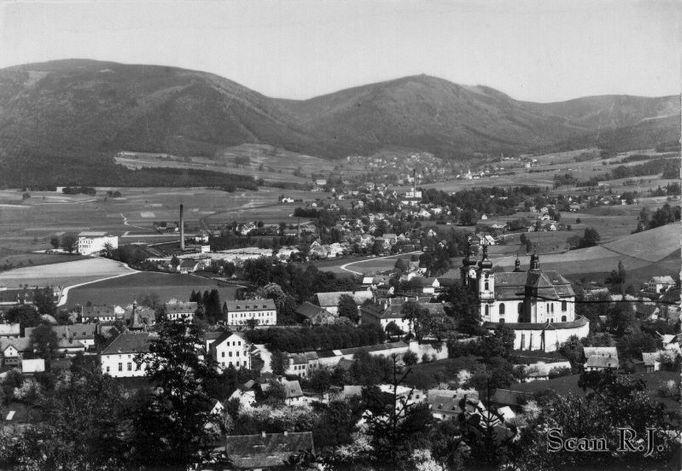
182 229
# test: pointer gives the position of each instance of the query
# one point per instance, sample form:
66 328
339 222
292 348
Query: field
646 252
261 160
26 225
122 291
64 274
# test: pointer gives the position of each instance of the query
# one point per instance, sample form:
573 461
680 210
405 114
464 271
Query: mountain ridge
79 112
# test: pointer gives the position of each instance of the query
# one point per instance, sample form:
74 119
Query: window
108 369
120 367
503 309
564 306
487 310
563 318
222 354
229 354
487 286
130 367
138 366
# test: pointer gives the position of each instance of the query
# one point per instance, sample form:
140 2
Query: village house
13 350
263 311
231 349
101 313
180 310
90 243
71 338
118 358
310 314
8 331
600 358
330 300
659 284
301 364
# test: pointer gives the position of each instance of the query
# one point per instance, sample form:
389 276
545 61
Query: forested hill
62 121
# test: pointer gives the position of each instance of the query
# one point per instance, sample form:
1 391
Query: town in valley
197 276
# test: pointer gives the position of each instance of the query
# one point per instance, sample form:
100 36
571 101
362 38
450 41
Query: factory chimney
182 229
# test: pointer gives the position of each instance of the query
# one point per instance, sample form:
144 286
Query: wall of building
264 317
91 245
234 351
531 339
122 365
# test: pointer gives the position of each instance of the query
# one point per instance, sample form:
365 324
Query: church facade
539 306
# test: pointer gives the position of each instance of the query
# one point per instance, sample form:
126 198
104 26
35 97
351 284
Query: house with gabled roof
311 314
118 358
180 310
231 349
330 300
240 312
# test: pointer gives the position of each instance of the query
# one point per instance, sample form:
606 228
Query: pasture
122 291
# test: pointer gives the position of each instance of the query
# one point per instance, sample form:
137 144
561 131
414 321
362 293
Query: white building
539 306
118 359
180 311
94 242
231 349
262 310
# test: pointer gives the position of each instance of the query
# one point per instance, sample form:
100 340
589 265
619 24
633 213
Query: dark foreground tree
170 428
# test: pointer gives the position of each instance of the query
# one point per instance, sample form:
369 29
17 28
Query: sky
536 50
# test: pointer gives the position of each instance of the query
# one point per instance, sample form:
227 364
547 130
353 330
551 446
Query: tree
591 237
402 264
69 242
24 314
85 425
171 427
464 308
44 301
44 342
54 241
348 308
410 358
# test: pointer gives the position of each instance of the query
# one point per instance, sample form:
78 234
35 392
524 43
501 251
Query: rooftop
129 342
267 449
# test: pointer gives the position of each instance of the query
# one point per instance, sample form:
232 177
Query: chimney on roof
182 228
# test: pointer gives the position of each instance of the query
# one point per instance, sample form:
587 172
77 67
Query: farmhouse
72 338
94 242
13 349
314 315
539 306
118 359
263 311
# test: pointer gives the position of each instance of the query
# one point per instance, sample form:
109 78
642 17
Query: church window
502 309
563 318
487 286
564 306
487 310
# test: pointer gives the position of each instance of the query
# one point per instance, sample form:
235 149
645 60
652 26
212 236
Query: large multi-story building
231 349
94 242
539 306
261 310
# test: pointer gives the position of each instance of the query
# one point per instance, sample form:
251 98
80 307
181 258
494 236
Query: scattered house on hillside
9 331
311 314
659 284
267 450
231 349
330 300
180 310
90 243
263 311
118 359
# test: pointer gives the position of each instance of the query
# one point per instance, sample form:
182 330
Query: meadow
64 274
122 291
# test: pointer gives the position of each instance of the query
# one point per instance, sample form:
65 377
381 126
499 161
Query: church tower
486 278
468 272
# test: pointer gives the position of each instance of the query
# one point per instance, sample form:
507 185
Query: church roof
545 284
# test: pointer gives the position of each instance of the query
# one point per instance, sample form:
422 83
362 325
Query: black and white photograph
339 235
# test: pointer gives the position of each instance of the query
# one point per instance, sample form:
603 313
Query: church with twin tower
539 306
